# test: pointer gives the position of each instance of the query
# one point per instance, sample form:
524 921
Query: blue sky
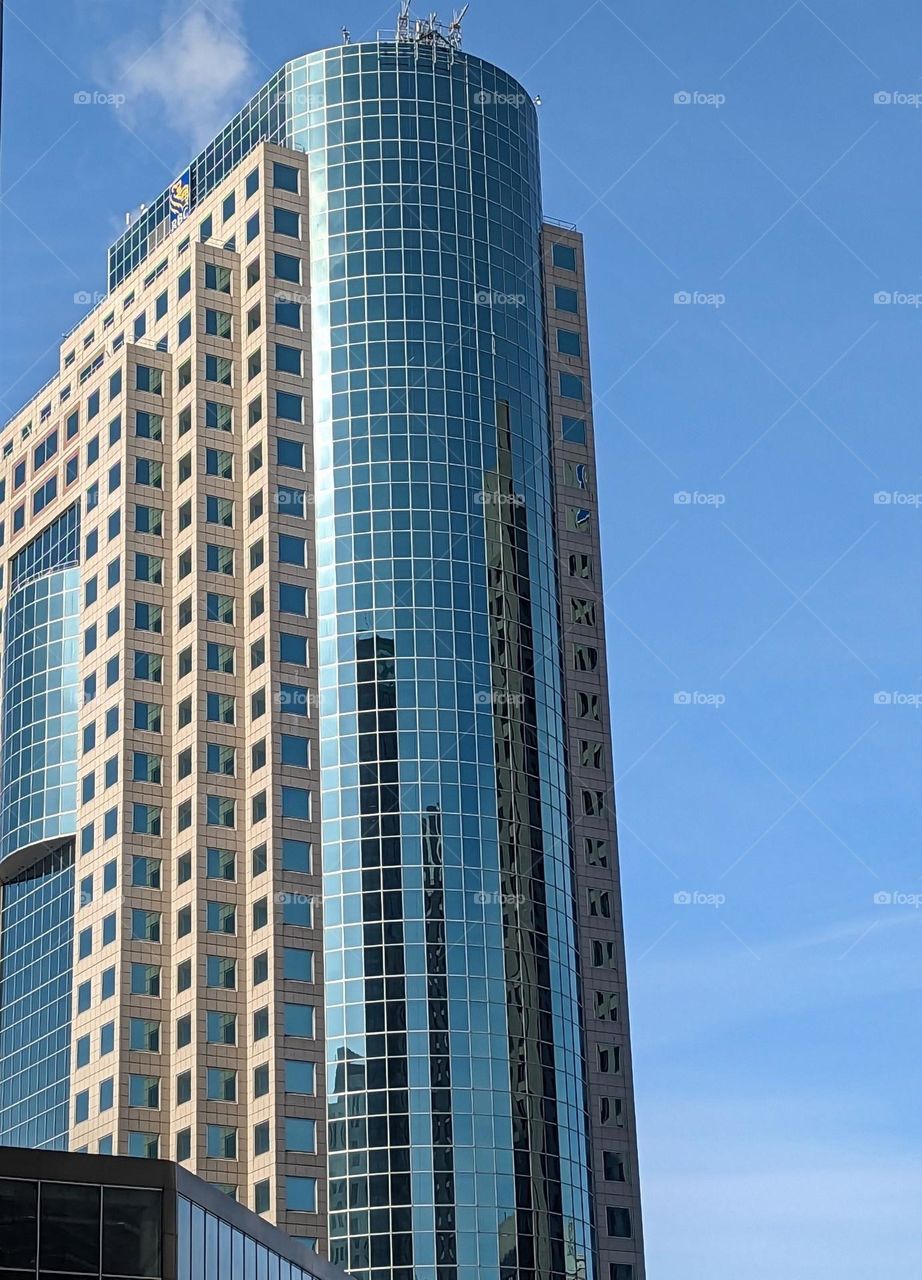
764 634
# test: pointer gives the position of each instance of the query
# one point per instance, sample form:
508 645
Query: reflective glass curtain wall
458 1130
65 1230
40 681
41 675
211 1249
36 966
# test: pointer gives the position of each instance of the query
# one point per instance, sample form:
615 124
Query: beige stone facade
198 963
591 770
198 921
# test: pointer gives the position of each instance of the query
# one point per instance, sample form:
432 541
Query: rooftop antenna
454 29
347 36
403 21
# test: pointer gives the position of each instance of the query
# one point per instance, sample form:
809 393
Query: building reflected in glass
307 824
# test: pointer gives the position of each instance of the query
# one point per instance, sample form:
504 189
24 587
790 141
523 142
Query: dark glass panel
18 1220
69 1228
131 1231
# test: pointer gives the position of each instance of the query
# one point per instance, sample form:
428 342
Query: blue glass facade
264 118
456 1074
36 965
39 751
208 1248
40 689
457 1110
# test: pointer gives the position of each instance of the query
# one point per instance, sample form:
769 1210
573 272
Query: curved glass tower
453 1031
41 672
38 811
348 937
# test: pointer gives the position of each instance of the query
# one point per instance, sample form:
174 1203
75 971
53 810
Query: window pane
131 1229
18 1223
69 1227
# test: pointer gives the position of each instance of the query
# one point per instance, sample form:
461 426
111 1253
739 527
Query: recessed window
286 222
287 313
284 177
288 359
221 1084
218 323
300 1077
300 1135
287 267
298 1020
217 277
301 1194
569 343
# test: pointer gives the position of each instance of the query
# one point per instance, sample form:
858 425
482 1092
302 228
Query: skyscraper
307 829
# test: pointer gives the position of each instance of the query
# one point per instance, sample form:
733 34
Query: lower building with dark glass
78 1217
308 852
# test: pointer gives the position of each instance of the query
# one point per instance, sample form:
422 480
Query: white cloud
191 75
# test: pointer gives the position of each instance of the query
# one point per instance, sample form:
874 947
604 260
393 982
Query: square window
569 342
573 430
301 1194
295 751
288 359
571 387
220 1084
287 313
300 1135
284 177
286 222
217 277
300 1077
296 856
287 267
292 599
298 1020
293 649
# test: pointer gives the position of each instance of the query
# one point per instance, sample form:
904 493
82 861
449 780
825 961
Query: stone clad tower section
307 791
591 767
161 967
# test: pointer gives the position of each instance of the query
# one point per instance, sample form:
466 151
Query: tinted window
69 1222
18 1203
284 177
131 1231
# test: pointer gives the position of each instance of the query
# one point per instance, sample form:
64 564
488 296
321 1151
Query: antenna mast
430 30
454 29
